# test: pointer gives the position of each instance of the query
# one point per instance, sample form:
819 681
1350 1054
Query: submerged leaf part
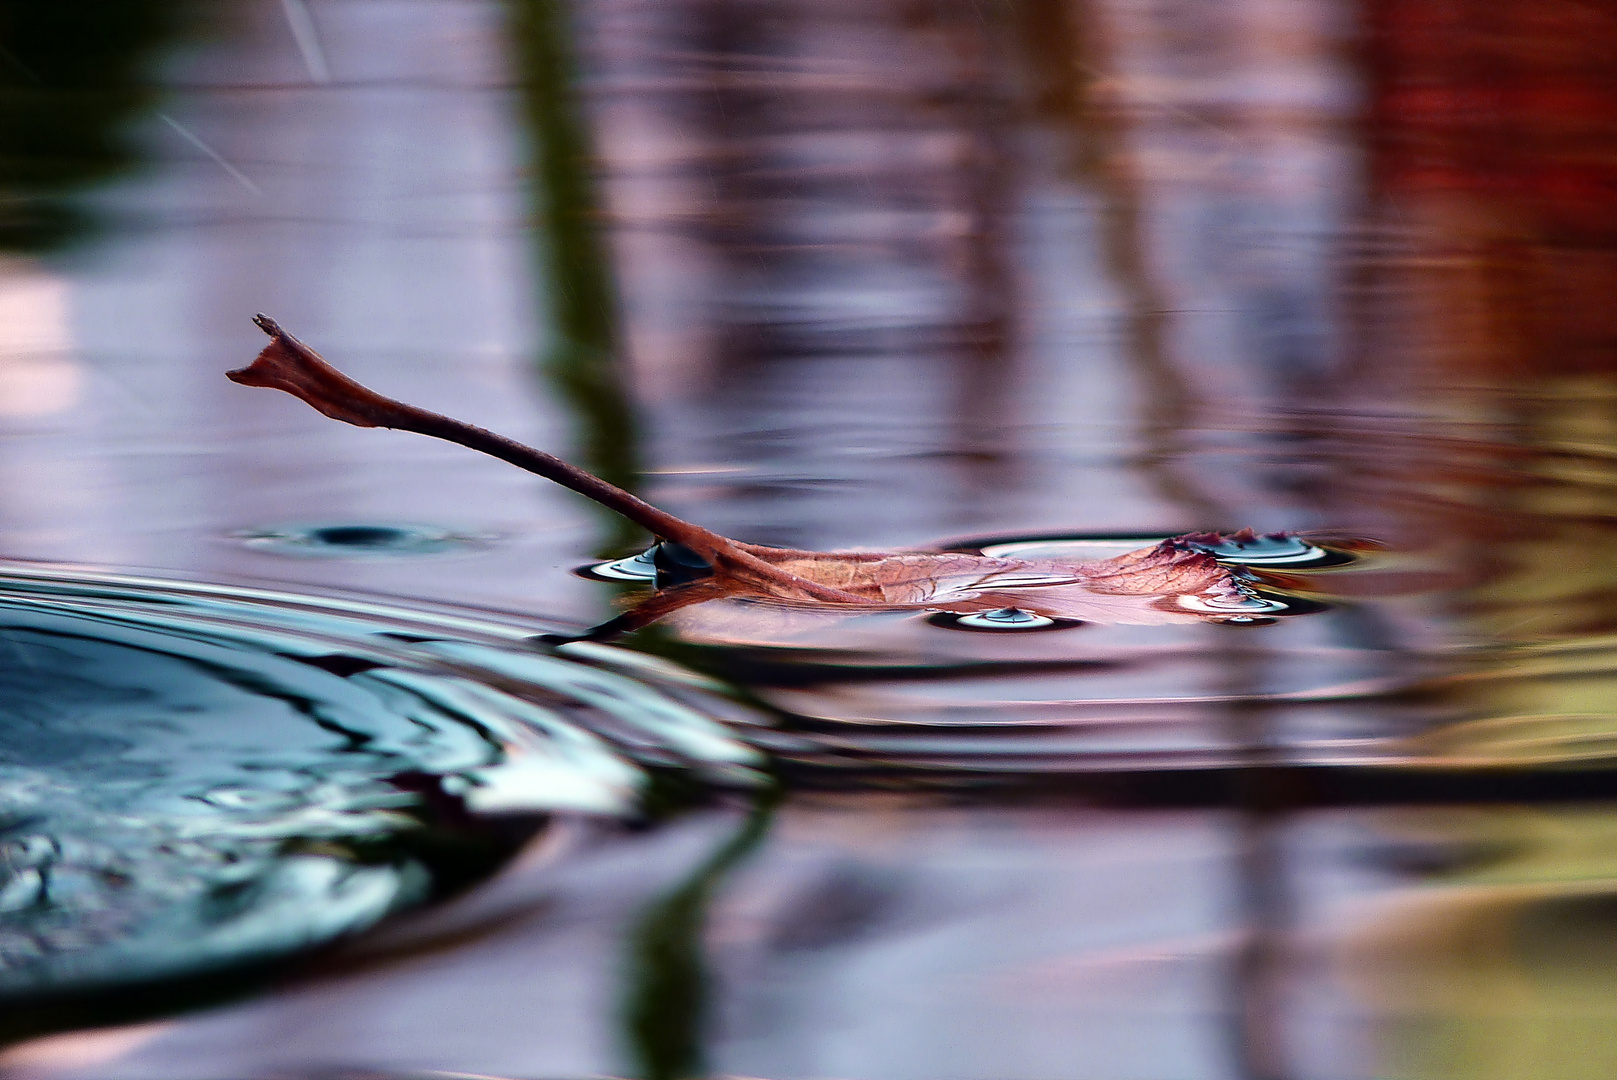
1140 587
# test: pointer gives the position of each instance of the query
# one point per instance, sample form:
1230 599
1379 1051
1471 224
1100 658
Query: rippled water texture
198 777
1058 277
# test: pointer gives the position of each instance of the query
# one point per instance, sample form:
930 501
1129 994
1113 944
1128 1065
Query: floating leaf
1176 580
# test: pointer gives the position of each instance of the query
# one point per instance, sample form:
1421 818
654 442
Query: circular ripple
195 777
1275 549
1278 550
638 568
348 540
1001 621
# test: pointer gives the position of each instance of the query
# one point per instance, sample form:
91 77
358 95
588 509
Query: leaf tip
247 376
288 364
265 366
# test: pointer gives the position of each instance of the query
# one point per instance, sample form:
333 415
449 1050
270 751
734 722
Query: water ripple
196 776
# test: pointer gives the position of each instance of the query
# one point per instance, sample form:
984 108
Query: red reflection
1501 98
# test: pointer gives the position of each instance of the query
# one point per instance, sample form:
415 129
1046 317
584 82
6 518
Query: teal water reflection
197 780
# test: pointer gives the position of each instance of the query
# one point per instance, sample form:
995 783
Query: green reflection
1541 687
1509 970
73 75
583 359
666 1008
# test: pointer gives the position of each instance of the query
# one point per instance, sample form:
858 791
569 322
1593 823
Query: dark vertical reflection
813 204
584 361
833 166
1260 797
668 1003
74 74
886 175
1076 58
1071 52
985 407
1082 76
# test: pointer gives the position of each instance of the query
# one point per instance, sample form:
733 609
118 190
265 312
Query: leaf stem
290 365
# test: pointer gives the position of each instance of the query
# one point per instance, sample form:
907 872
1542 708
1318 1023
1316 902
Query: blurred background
885 273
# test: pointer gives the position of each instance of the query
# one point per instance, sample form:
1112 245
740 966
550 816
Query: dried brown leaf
1169 582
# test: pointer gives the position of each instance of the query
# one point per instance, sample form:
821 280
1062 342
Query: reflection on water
584 361
75 76
344 541
888 273
1506 970
195 778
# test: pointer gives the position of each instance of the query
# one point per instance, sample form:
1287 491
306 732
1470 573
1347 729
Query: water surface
886 275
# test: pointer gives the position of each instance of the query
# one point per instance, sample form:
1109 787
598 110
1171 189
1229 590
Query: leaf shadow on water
665 1010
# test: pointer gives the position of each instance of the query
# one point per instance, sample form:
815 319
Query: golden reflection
1483 299
1507 967
1492 167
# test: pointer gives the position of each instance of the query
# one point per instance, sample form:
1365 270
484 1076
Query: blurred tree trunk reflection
812 205
584 360
1068 45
